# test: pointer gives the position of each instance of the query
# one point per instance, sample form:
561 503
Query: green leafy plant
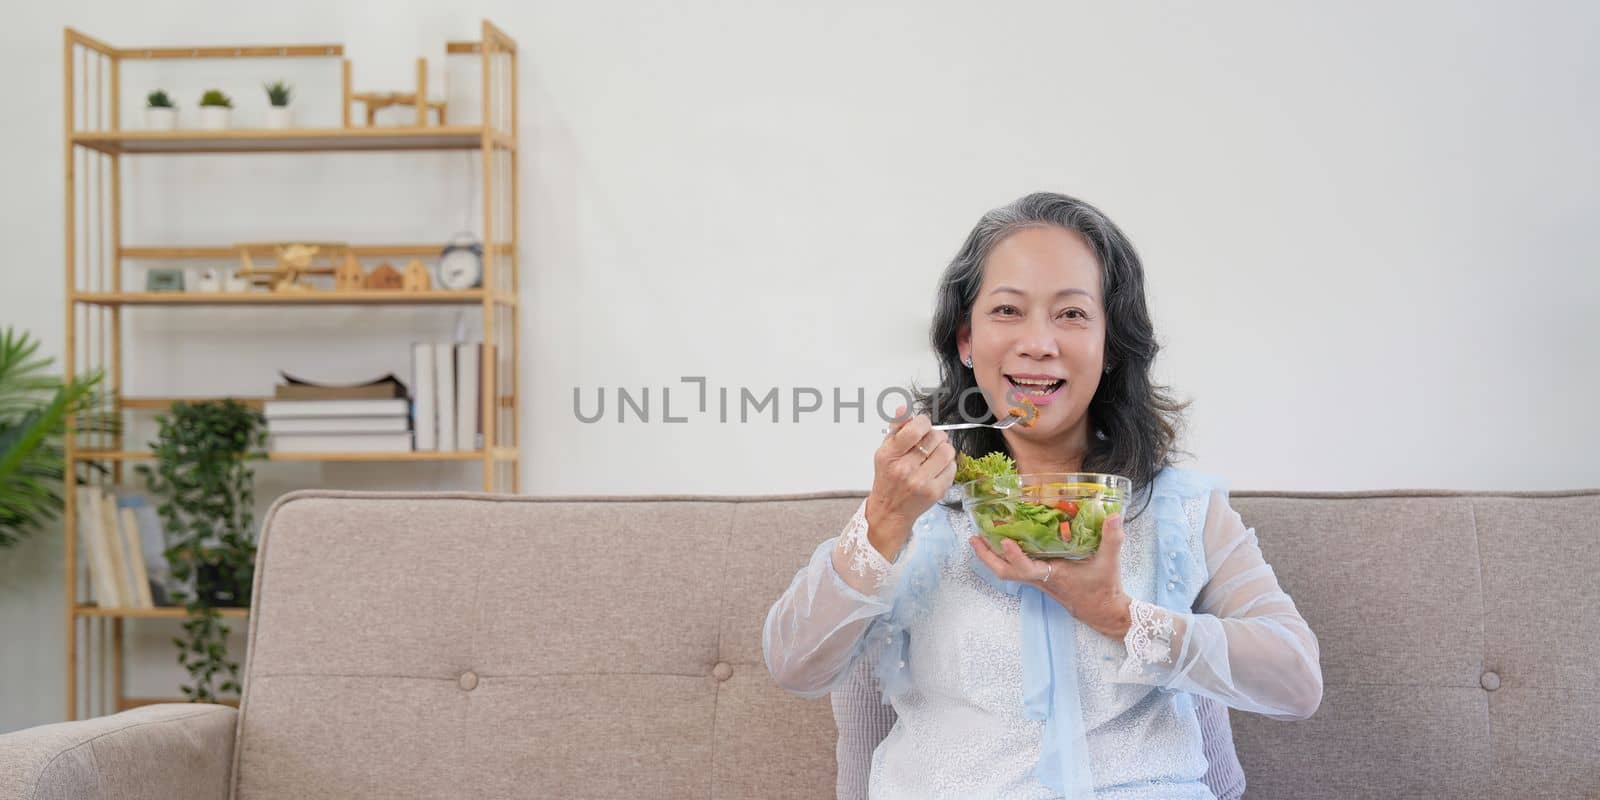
278 93
206 494
35 408
215 97
159 99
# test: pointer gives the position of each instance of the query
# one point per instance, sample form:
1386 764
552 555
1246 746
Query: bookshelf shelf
502 454
302 140
469 297
170 252
96 148
164 612
134 702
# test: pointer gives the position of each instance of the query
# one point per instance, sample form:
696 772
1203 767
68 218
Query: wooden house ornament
416 277
349 276
385 277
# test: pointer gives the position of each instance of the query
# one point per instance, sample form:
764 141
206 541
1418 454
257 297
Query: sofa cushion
470 645
1416 598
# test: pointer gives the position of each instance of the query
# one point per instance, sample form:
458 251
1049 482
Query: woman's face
1038 330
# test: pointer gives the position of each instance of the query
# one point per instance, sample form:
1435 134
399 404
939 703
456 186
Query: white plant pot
214 118
279 117
160 119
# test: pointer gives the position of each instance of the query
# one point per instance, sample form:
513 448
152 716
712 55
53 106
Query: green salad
1059 519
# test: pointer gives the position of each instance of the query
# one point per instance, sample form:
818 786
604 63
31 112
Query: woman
1017 678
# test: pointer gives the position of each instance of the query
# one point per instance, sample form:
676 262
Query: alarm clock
460 266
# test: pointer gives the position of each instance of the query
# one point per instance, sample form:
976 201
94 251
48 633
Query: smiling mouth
1035 387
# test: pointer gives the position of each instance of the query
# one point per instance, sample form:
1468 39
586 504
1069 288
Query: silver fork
961 426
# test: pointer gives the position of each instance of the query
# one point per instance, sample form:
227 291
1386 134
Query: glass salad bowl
1049 515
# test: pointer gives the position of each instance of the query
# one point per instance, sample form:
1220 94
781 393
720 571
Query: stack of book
447 413
121 539
306 417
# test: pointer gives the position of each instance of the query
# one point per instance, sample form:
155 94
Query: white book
341 443
153 540
444 370
119 557
295 409
134 547
468 399
424 420
386 424
102 579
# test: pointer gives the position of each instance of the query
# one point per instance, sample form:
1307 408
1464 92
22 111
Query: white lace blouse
961 731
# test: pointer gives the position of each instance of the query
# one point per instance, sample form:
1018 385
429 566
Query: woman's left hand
1090 590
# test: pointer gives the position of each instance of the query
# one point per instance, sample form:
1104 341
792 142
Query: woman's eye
1005 310
1074 314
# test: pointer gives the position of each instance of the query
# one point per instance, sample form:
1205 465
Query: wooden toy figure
349 276
416 277
295 262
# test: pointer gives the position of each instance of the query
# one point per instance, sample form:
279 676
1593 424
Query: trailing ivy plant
206 497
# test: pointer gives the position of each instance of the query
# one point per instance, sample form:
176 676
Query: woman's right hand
912 470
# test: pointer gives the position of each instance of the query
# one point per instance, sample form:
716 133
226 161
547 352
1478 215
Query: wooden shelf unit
94 145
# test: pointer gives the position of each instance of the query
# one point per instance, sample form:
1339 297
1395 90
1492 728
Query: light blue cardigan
1049 646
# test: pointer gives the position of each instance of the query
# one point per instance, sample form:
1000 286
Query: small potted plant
159 112
214 109
278 116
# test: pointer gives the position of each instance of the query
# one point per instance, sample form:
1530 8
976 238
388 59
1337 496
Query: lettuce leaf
986 471
1036 528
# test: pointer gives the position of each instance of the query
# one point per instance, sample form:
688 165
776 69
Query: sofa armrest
156 751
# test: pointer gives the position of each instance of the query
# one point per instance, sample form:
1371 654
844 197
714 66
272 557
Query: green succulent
215 97
278 93
159 99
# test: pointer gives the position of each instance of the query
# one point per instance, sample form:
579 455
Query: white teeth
1034 386
1034 382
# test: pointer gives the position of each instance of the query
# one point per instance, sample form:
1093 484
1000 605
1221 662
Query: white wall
1368 231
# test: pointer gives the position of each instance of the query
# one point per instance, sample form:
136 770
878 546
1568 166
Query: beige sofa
460 645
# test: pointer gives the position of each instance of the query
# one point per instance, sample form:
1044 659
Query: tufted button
1490 680
722 671
468 680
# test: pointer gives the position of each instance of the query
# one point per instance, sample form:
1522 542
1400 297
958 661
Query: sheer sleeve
1245 644
815 630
